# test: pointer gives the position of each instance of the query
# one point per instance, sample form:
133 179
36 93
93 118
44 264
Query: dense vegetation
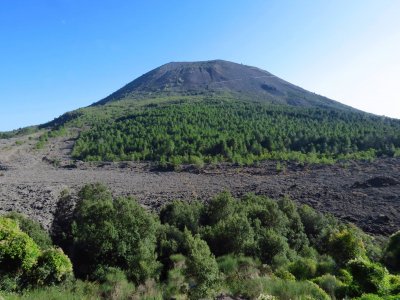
254 247
221 129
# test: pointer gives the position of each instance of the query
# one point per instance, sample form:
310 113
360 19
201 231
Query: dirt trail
31 181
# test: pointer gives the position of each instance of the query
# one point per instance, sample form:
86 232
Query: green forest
252 247
221 129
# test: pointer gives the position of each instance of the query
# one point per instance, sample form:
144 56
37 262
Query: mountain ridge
220 76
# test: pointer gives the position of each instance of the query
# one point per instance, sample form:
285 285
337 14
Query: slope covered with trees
207 129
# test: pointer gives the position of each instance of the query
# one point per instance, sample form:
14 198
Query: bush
270 244
295 235
117 233
281 289
52 267
220 207
392 253
170 241
303 268
177 286
202 269
17 250
232 235
331 285
236 268
182 215
33 229
345 245
265 212
22 264
114 284
368 277
369 297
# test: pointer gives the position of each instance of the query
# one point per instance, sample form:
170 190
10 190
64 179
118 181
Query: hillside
216 77
214 111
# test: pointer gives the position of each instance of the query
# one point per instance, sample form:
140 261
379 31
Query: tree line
241 132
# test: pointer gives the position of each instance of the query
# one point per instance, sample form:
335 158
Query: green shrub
177 286
281 289
117 233
170 241
392 253
33 229
270 243
331 285
231 235
297 239
22 264
202 268
394 283
303 268
220 207
17 250
284 274
265 212
76 290
316 226
369 297
113 283
236 268
368 277
182 215
52 267
345 245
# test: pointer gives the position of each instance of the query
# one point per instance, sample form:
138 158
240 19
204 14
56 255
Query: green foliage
303 268
23 264
77 290
17 250
52 267
32 228
332 286
182 215
117 233
368 277
170 241
317 227
369 297
114 284
203 129
231 235
219 208
296 236
281 289
202 269
177 285
345 245
270 244
392 253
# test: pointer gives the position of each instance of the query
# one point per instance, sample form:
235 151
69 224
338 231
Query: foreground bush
113 233
33 229
23 264
392 253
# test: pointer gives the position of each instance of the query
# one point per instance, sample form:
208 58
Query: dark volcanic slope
220 76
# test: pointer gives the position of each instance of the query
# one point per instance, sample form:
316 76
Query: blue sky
59 55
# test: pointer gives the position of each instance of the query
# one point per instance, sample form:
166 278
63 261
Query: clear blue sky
59 55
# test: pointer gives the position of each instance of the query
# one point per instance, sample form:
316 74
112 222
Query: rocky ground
365 193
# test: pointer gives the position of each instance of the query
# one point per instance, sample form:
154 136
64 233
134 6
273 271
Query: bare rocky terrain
364 193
